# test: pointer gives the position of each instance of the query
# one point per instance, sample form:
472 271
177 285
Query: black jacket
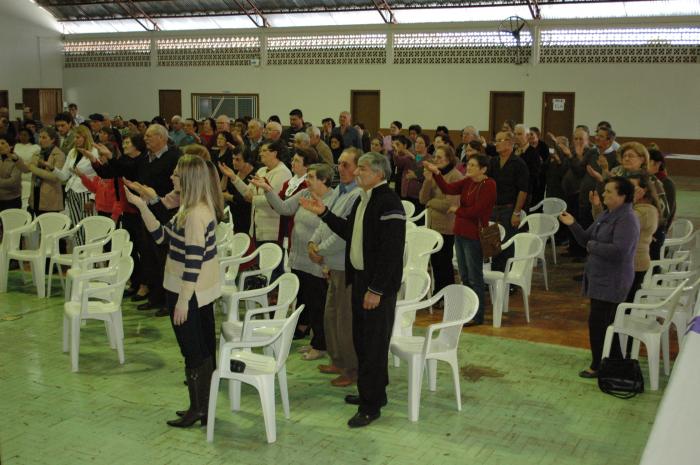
384 238
154 174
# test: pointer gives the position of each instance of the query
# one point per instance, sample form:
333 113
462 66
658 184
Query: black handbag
620 378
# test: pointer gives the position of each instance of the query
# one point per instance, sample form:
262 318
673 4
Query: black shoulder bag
620 378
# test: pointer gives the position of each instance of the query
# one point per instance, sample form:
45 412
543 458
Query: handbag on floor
620 378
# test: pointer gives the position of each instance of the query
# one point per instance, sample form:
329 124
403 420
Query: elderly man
95 121
512 179
190 130
223 123
176 133
375 232
66 131
253 139
351 136
273 132
317 143
327 248
531 159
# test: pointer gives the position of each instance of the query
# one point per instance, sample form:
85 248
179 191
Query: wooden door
30 98
505 106
169 103
4 99
50 104
364 106
558 113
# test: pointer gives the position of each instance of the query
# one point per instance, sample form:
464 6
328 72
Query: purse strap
478 191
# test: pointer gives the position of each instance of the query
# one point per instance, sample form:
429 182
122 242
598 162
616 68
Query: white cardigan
73 182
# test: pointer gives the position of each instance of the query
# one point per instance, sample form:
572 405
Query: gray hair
521 126
158 129
471 130
324 172
313 131
256 122
302 138
378 163
274 126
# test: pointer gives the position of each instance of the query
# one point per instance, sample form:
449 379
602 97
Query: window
231 105
107 53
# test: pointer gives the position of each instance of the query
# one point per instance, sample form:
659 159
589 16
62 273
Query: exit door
505 106
169 104
558 113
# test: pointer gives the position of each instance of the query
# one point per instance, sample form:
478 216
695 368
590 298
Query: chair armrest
89 275
536 207
23 229
437 327
250 325
510 261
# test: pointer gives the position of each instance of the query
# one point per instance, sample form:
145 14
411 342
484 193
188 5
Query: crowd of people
334 193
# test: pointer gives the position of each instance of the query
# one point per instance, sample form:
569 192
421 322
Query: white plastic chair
233 329
425 215
518 271
680 237
94 228
551 206
460 306
259 372
408 208
544 227
229 216
421 243
642 324
415 285
49 224
269 257
108 309
12 219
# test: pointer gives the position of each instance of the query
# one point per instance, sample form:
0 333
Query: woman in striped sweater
191 278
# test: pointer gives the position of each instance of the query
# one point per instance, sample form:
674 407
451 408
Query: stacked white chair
680 237
49 225
460 306
102 303
553 207
518 272
408 208
415 285
545 227
229 264
425 215
11 220
642 324
260 371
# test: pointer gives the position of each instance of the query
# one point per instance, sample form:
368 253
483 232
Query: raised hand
427 166
603 163
262 183
314 205
88 154
103 151
133 198
226 171
594 198
567 219
594 174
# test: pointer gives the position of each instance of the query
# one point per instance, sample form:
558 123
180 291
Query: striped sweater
192 266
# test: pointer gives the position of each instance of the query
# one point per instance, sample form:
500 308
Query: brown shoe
329 369
342 381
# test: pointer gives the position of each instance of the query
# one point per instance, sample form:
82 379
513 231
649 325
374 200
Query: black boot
198 382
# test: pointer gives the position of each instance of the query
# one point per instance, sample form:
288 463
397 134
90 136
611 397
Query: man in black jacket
375 233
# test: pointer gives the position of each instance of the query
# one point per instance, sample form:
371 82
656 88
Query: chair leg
74 343
234 394
505 295
110 334
66 333
415 375
284 392
635 349
526 303
665 351
39 277
432 374
118 335
397 362
455 379
49 279
544 272
267 400
607 344
4 271
653 358
211 410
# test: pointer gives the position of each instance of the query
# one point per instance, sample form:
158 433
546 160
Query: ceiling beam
385 11
534 9
136 17
253 14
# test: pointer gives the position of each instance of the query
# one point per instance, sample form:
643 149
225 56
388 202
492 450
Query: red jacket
105 196
476 201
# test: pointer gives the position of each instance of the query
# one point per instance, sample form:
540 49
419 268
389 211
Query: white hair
274 125
223 118
313 131
302 137
159 130
176 118
471 130
520 126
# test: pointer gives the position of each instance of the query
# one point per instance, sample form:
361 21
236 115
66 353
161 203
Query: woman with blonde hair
80 202
191 278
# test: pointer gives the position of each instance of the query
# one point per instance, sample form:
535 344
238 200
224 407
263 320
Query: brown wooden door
4 99
558 113
169 103
45 103
364 106
504 106
30 98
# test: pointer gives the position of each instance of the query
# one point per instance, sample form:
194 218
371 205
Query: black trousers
371 331
601 316
197 335
312 293
441 261
503 216
636 285
657 242
153 263
133 224
584 217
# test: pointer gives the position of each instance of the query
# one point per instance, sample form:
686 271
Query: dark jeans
601 316
312 293
503 215
636 285
133 224
441 261
7 204
371 331
471 269
197 335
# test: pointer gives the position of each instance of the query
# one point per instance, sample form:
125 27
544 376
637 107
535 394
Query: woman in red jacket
477 196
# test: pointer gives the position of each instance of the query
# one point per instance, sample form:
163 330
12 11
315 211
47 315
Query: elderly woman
312 281
611 242
441 213
657 168
46 192
477 197
10 176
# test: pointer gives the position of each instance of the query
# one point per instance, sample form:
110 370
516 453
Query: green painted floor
522 404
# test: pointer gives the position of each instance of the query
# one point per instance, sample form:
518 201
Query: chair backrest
49 224
409 208
269 257
288 288
96 227
410 226
526 245
501 230
415 285
120 240
420 244
284 340
671 304
114 291
10 219
541 224
460 303
681 228
223 233
553 206
240 243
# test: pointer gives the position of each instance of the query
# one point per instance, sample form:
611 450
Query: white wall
31 52
643 100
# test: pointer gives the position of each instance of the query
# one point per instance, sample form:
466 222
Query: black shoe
362 419
299 334
354 399
198 383
139 298
147 306
162 312
588 374
130 292
469 324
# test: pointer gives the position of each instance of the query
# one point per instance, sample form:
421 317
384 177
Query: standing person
477 197
441 208
312 282
611 242
46 193
657 168
191 276
328 249
80 202
337 146
296 125
512 178
375 233
206 134
10 177
351 136
240 208
539 151
26 150
531 159
66 131
327 127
